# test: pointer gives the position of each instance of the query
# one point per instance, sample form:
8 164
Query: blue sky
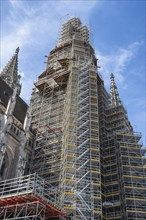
117 34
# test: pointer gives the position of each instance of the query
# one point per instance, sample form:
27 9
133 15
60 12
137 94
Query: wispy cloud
14 3
117 61
34 25
31 23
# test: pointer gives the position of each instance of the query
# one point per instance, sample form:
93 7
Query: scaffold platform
28 197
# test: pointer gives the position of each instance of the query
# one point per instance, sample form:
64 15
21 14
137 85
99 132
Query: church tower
65 117
85 144
13 110
123 161
87 162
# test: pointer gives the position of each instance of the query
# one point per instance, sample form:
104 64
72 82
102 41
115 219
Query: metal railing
29 184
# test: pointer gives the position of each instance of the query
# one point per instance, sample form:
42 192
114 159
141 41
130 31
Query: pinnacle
115 100
112 76
10 71
17 50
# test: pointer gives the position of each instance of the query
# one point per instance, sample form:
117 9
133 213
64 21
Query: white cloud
34 25
30 23
27 84
116 62
15 3
81 6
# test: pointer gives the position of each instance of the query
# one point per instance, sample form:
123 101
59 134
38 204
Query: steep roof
20 107
10 71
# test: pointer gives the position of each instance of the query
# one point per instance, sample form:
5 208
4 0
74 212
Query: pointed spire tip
112 75
115 100
17 50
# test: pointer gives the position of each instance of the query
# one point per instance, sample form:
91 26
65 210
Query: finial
112 76
17 50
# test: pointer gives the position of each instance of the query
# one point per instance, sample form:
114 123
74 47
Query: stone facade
14 148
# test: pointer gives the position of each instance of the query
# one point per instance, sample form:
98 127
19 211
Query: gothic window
4 167
1 121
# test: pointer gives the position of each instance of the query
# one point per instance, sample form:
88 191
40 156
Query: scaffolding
133 163
28 197
123 178
65 118
88 160
123 161
73 28
81 173
47 114
79 149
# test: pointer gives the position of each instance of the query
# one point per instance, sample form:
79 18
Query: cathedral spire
115 100
10 72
